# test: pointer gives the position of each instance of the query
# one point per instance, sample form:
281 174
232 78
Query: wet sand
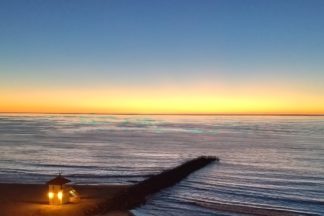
31 200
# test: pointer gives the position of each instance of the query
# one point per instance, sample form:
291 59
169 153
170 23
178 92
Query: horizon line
173 114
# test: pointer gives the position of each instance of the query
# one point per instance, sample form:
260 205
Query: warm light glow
186 99
72 193
50 195
60 195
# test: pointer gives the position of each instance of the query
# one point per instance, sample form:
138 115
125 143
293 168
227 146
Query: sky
162 57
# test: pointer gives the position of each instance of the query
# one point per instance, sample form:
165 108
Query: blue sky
136 43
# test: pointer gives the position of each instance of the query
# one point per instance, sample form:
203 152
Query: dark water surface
266 161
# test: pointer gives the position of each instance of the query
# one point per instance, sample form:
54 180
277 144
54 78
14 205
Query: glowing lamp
50 195
60 195
58 192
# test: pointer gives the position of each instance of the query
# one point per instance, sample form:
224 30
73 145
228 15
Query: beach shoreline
31 200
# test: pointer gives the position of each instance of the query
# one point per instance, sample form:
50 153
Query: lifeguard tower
59 193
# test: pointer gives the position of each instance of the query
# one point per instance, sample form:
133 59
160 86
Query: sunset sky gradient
153 56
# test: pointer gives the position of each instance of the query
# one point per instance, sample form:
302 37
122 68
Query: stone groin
137 194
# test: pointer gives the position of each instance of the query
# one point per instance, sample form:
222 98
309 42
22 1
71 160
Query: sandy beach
31 200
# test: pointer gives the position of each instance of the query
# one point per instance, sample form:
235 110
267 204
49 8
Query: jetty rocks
137 194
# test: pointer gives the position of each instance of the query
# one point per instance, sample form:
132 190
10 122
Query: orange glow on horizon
163 100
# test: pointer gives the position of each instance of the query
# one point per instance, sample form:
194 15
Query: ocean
272 162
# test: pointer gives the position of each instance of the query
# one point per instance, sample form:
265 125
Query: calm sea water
273 162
